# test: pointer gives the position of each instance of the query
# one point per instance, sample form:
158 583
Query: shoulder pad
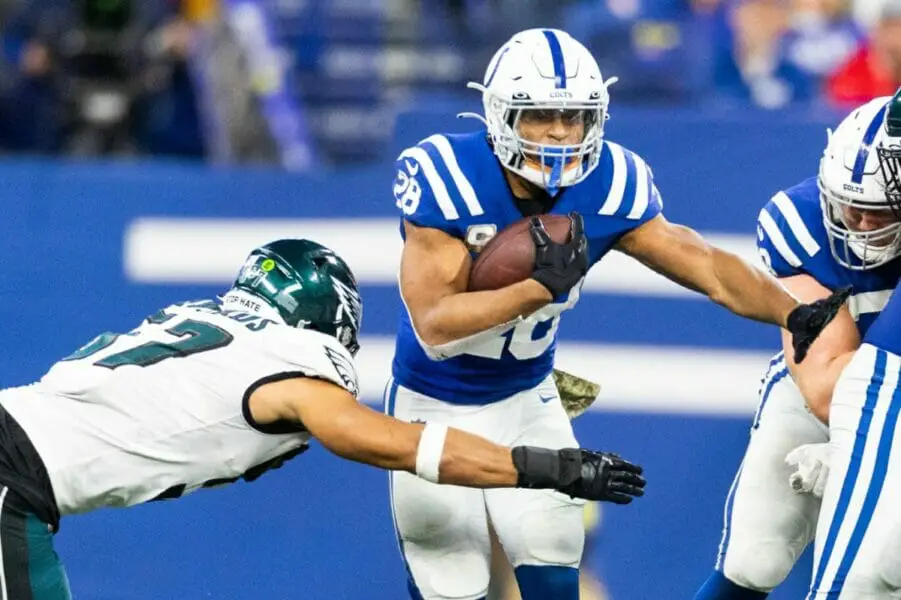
629 184
787 236
431 189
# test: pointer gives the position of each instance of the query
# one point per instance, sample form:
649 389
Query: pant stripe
390 402
850 480
727 521
776 373
874 490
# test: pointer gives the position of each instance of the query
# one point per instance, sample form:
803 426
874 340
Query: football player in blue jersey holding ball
482 361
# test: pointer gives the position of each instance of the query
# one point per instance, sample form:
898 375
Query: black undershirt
539 201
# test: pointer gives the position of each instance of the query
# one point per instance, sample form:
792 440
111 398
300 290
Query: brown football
509 257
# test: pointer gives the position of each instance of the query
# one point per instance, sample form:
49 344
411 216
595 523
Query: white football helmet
859 170
544 70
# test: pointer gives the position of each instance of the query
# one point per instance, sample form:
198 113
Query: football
509 257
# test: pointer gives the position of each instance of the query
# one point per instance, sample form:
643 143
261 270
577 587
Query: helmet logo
350 306
252 272
561 94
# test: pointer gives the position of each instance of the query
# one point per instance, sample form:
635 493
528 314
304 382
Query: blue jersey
792 240
456 184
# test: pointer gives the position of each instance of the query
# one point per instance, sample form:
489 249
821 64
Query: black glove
579 473
807 320
558 267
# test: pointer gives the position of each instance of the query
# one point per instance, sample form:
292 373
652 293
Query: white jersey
162 410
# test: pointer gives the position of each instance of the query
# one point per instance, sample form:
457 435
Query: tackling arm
355 432
437 453
434 276
828 355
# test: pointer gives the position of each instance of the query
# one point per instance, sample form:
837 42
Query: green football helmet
310 286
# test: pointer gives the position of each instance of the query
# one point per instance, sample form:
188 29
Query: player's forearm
388 443
471 460
458 316
366 436
749 291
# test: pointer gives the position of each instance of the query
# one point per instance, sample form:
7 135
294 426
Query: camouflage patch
576 394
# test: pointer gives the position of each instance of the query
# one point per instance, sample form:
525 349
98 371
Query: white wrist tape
431 447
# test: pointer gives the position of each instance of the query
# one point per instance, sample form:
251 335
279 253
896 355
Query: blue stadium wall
94 247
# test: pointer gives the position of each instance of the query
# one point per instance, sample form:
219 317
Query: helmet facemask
550 166
890 169
852 248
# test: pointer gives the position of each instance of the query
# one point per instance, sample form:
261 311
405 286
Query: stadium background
96 242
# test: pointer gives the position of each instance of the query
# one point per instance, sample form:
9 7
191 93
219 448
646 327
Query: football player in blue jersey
857 553
482 361
829 231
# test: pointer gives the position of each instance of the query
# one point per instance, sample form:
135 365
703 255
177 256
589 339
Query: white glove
811 468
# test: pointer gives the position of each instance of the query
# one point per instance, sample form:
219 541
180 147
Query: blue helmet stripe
557 58
864 151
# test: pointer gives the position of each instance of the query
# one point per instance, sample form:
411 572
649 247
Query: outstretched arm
681 254
437 453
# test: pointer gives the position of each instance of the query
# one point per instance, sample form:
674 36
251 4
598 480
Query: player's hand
807 321
810 464
559 267
579 473
607 477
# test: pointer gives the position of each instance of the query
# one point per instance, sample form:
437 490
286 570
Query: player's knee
555 536
422 514
759 566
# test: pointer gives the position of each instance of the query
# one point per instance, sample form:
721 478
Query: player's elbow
431 331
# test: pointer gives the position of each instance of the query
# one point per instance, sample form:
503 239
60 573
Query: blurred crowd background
305 83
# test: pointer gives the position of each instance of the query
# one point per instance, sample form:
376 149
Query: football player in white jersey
827 232
205 393
482 361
